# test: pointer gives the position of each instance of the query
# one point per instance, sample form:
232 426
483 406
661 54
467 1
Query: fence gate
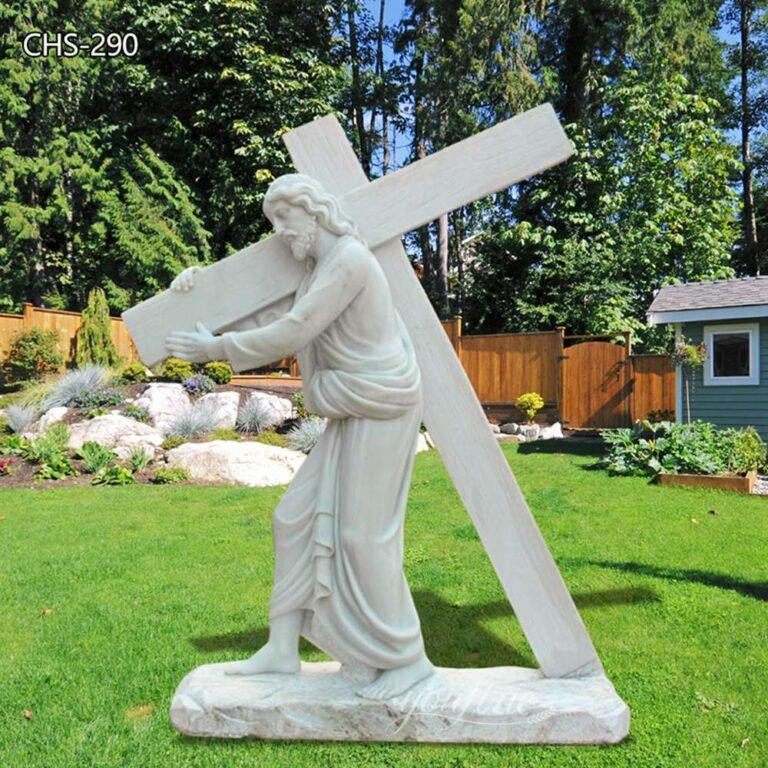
595 385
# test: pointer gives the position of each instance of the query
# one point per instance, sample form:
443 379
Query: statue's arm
327 298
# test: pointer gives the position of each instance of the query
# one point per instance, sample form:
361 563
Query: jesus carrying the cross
338 530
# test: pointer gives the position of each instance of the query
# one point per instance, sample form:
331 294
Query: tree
94 337
645 201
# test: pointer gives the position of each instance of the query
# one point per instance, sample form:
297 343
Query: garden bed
741 484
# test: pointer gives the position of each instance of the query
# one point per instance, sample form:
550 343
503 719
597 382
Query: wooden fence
500 367
65 326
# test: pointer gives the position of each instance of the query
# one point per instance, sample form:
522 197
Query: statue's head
296 205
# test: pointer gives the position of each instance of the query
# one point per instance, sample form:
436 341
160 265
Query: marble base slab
509 705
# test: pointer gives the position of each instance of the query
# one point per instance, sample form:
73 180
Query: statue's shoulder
355 257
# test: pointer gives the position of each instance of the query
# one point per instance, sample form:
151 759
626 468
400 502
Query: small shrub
219 371
33 356
115 475
172 442
299 406
137 412
226 434
73 384
56 468
7 467
20 418
98 398
177 370
94 337
199 384
269 437
96 457
198 420
139 458
304 436
746 450
254 416
530 404
133 373
170 475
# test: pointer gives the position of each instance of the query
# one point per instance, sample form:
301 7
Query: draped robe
338 529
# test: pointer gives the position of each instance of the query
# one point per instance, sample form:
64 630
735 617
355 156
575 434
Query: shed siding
740 406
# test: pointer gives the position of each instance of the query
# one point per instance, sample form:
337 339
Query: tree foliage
94 337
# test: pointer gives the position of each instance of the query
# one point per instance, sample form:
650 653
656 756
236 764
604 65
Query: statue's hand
185 280
191 345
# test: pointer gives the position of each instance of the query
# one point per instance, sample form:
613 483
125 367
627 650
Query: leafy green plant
174 369
299 406
530 404
133 373
73 384
689 357
94 337
139 458
55 468
270 437
304 436
114 475
15 445
95 457
136 412
173 441
218 370
170 475
696 448
33 355
98 398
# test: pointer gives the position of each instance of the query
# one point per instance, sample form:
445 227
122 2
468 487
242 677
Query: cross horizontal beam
265 273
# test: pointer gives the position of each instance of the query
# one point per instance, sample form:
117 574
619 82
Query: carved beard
303 241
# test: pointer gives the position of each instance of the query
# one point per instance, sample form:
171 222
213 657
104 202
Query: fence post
560 331
29 316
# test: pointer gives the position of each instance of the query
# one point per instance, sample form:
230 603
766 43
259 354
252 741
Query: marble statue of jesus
338 529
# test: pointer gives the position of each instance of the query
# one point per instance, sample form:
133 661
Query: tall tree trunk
357 108
441 277
750 224
578 64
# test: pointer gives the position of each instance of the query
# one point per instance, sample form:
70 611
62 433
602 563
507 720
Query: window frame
753 331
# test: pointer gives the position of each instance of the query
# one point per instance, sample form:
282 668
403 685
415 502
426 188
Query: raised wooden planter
718 482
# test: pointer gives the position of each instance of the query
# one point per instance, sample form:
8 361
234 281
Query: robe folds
338 529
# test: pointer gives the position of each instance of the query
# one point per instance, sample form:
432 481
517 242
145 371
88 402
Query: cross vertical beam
457 424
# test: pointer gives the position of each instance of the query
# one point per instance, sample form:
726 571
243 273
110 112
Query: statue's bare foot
393 682
267 659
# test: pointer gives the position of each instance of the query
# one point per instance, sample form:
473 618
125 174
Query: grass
110 596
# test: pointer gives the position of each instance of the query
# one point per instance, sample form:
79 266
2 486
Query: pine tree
94 337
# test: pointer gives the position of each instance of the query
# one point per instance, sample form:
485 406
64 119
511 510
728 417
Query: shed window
732 354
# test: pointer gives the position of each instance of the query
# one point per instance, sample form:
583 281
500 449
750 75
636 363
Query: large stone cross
248 286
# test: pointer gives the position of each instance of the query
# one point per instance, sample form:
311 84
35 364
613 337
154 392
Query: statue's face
295 227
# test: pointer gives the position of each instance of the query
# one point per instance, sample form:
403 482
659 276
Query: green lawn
109 596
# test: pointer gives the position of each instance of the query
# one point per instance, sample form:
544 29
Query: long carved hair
298 189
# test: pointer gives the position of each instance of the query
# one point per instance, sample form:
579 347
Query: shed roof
695 300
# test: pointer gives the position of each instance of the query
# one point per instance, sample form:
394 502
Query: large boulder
164 401
278 409
225 404
241 463
51 416
114 431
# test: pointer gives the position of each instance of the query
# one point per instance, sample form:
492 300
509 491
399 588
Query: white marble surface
493 705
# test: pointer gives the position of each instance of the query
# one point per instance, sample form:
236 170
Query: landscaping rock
49 417
495 428
510 429
113 430
553 431
279 409
530 431
225 461
226 404
164 402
